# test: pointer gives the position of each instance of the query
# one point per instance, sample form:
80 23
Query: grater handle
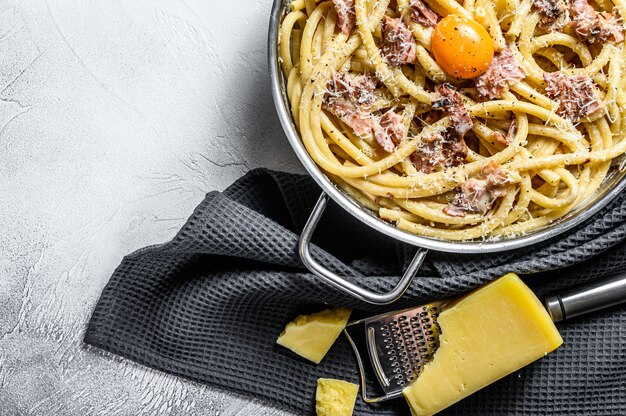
341 283
359 361
603 294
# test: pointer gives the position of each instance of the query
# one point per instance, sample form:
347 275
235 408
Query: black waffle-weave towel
209 304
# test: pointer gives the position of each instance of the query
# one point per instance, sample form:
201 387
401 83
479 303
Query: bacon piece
442 150
554 14
595 27
473 93
452 103
346 15
506 140
501 138
398 45
478 194
422 14
502 70
432 117
576 95
389 131
350 99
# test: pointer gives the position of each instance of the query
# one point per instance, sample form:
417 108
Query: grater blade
398 344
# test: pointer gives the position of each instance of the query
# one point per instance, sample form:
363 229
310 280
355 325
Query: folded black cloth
209 304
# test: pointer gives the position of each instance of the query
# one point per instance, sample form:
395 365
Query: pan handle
341 283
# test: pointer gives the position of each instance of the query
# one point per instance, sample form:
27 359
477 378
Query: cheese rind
311 336
335 397
485 335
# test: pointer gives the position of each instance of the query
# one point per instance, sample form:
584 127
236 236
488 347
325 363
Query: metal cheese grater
399 344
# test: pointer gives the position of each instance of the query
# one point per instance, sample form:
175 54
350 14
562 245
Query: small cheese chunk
311 336
485 336
335 397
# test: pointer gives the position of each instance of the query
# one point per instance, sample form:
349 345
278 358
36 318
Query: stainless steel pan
611 187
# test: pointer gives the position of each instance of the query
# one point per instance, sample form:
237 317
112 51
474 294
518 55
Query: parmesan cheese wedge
311 336
485 335
335 397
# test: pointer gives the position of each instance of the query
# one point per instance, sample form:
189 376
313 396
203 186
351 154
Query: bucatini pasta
458 120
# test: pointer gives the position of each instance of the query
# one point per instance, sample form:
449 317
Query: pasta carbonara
456 120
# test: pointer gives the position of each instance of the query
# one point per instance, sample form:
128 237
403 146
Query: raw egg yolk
462 47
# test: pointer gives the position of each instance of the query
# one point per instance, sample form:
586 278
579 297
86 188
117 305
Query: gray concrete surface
116 117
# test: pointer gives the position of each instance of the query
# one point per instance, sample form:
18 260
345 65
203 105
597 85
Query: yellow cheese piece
485 335
335 397
311 336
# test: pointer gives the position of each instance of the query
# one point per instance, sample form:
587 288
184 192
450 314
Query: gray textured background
116 117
